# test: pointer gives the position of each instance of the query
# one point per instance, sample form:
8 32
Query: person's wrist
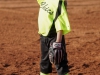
56 44
58 41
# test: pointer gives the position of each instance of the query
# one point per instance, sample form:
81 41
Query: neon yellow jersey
47 14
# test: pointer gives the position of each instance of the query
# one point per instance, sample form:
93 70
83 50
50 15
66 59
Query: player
53 24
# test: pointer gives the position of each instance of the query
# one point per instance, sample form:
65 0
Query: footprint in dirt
2 46
6 65
99 64
85 65
71 66
80 73
34 63
14 73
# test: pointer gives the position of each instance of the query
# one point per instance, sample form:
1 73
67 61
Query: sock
43 73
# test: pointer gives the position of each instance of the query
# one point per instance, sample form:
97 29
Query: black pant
45 65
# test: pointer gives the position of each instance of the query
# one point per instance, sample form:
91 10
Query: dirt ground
20 44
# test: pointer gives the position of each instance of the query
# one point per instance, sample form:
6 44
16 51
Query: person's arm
59 36
65 3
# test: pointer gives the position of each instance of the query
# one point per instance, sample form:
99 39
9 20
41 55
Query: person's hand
55 53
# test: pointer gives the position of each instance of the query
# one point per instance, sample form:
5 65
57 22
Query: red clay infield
20 44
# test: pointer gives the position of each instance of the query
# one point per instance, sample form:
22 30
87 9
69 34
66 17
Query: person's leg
45 65
62 68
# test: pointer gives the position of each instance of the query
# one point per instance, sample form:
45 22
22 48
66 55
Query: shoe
66 74
43 73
